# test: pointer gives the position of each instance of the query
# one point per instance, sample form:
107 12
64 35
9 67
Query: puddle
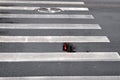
49 10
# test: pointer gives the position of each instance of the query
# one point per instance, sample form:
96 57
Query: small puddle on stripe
48 10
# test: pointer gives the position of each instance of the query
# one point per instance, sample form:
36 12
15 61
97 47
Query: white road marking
55 39
33 8
49 26
57 56
73 9
42 2
74 16
62 78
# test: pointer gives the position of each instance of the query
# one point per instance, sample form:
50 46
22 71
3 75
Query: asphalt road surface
32 34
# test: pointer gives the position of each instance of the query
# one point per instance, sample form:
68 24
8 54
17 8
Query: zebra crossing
48 39
46 16
57 56
43 26
49 26
52 39
63 78
51 56
34 8
42 2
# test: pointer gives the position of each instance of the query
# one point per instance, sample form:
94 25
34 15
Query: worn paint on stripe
57 56
76 16
49 26
42 2
54 39
33 8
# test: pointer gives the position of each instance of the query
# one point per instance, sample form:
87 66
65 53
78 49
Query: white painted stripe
62 78
42 2
74 9
76 16
49 26
33 8
55 39
57 56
